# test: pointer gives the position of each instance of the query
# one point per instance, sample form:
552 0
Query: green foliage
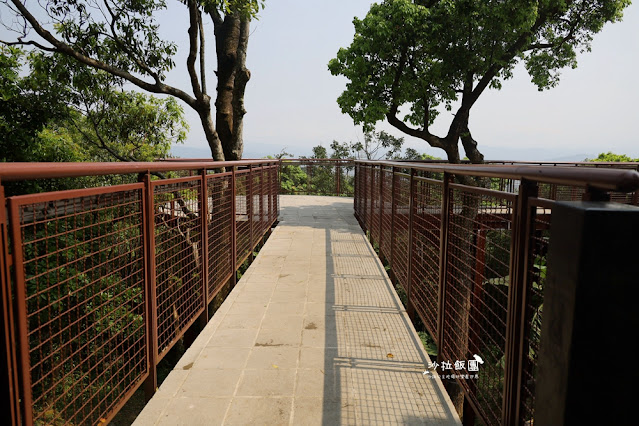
60 111
610 157
85 311
418 56
429 343
374 141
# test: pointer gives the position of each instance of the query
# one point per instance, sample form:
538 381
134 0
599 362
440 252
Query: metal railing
98 284
317 177
468 246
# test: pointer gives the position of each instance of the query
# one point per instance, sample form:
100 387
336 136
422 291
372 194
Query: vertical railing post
410 309
233 225
371 191
590 292
393 210
9 370
381 209
250 212
20 300
263 181
148 219
519 264
443 261
338 177
204 217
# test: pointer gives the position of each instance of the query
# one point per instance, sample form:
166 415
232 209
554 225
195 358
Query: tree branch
64 48
202 52
193 48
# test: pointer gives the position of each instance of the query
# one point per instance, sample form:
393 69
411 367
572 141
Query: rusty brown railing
98 284
468 245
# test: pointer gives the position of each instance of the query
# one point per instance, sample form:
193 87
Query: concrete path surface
313 334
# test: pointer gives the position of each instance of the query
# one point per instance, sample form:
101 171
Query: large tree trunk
231 37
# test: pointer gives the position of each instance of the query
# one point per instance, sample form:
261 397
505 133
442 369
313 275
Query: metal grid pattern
317 177
81 279
387 212
482 231
541 213
242 219
220 223
274 191
256 206
401 216
366 198
477 279
425 250
178 257
375 204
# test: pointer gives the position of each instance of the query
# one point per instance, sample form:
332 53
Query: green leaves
406 56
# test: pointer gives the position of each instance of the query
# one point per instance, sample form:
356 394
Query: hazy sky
291 97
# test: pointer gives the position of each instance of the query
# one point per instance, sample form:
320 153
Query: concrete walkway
313 333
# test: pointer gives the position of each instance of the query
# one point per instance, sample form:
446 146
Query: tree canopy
53 109
410 58
611 157
122 38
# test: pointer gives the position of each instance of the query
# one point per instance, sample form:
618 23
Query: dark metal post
148 219
519 264
9 369
443 260
381 208
204 216
233 225
410 309
393 210
590 290
371 191
250 212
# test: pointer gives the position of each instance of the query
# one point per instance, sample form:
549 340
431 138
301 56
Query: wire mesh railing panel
357 193
425 250
242 217
401 215
255 179
220 223
274 191
346 178
178 257
80 275
476 298
375 204
366 199
264 201
387 212
567 193
538 241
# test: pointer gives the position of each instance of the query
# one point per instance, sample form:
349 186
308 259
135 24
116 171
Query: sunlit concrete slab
313 334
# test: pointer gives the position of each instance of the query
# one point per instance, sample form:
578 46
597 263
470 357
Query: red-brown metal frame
594 183
15 314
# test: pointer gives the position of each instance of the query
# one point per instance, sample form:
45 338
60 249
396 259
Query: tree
373 142
59 110
610 157
412 57
122 39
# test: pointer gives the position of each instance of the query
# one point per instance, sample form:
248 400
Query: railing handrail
28 171
608 179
